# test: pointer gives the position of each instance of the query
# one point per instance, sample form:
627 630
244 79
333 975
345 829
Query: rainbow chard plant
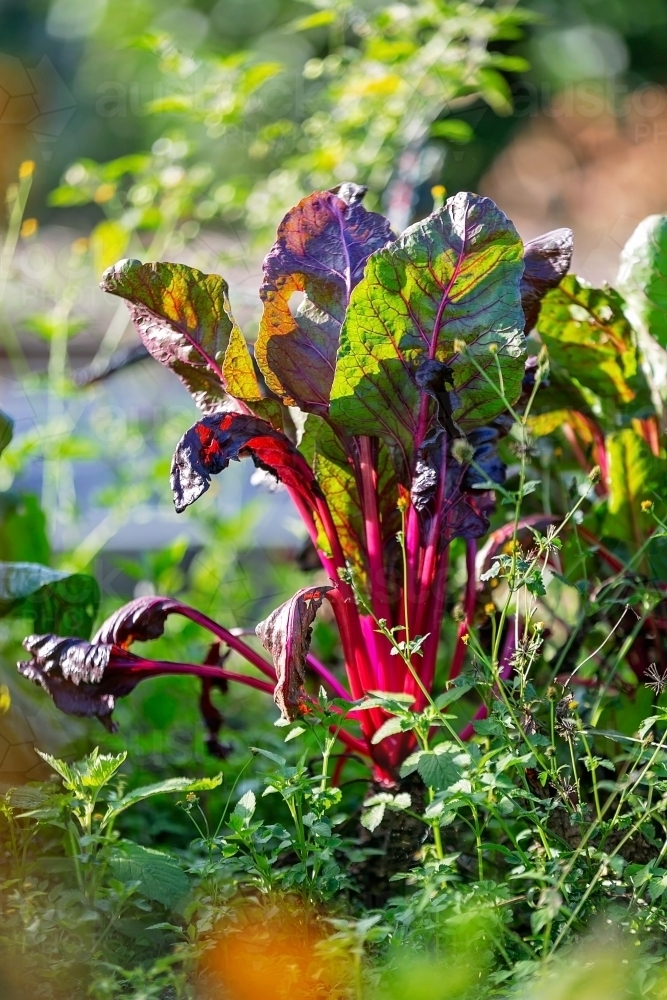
378 402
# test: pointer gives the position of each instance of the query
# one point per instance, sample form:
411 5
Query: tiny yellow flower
510 547
539 626
493 348
465 639
647 505
490 608
438 191
403 501
459 346
29 228
191 797
26 169
5 699
105 192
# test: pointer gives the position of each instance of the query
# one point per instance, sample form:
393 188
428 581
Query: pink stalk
505 669
193 669
378 580
434 622
231 640
469 610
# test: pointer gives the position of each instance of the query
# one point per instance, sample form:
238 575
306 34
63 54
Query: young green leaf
168 787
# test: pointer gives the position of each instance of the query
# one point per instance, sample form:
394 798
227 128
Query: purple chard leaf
321 250
546 261
185 321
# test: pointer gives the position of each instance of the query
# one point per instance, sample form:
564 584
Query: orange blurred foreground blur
274 953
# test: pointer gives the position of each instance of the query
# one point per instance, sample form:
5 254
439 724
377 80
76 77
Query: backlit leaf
171 786
634 473
184 319
452 278
321 249
588 336
642 277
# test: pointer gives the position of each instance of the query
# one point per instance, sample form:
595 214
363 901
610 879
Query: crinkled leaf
56 601
160 877
138 621
589 337
74 673
453 277
286 635
321 249
209 446
6 430
634 473
184 319
169 787
546 260
642 277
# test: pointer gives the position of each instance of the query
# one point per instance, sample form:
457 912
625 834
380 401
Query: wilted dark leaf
77 674
286 634
322 246
546 261
209 446
139 621
465 510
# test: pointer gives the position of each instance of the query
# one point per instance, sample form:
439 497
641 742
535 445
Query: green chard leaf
321 249
634 473
592 344
60 602
455 277
642 277
184 319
